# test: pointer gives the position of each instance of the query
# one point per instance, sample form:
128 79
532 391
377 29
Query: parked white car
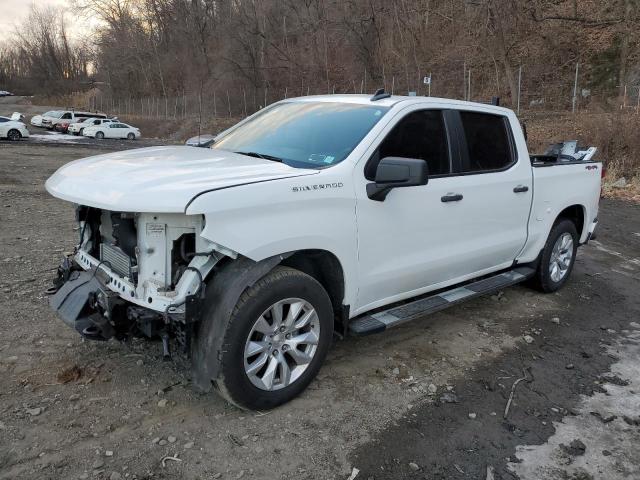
36 120
112 130
68 117
12 129
205 140
315 215
78 128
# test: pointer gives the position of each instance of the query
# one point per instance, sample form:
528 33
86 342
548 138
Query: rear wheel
99 135
278 337
558 257
14 135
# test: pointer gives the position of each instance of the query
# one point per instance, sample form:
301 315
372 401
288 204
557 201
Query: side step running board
380 321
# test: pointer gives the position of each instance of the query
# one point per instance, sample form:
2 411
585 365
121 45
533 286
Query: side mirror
396 172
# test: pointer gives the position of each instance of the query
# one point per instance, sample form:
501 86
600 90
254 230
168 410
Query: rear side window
421 135
488 142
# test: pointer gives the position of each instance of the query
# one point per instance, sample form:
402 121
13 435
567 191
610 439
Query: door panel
455 227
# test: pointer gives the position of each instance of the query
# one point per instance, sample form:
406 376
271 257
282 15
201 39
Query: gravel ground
76 409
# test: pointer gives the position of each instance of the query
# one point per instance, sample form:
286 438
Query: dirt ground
70 408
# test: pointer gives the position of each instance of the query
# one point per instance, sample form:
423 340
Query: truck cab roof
366 99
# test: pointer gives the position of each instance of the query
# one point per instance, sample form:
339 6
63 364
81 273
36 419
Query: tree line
471 48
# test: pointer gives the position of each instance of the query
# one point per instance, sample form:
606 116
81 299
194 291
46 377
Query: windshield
303 134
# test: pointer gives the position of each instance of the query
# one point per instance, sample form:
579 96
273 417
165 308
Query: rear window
488 142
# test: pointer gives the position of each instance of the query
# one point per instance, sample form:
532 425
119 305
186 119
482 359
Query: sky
13 12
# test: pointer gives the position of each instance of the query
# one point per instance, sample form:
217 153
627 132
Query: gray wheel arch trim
225 288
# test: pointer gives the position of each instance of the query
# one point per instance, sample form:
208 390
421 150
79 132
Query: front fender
263 220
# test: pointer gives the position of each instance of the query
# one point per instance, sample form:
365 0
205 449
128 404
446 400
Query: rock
432 389
610 330
620 183
555 320
569 366
34 412
115 476
606 453
528 338
139 363
12 359
575 448
634 324
99 463
83 476
109 453
217 475
163 403
162 442
171 439
155 440
448 398
396 371
74 397
472 416
414 466
188 445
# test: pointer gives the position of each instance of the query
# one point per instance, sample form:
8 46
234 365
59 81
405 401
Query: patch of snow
611 447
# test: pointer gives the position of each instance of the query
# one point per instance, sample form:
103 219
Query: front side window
421 135
303 134
488 142
66 116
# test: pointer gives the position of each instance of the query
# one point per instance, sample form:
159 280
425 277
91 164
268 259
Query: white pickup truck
317 215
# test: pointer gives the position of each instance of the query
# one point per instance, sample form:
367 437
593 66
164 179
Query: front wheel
99 135
558 257
279 335
131 136
14 135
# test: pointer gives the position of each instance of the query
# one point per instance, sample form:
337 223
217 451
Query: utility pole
519 85
575 90
464 80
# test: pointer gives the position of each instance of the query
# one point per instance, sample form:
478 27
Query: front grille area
116 259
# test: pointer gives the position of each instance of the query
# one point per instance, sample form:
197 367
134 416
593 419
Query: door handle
451 197
521 189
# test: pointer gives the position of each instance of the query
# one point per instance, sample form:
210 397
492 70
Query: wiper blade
261 155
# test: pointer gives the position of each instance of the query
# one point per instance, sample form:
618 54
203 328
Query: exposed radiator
116 259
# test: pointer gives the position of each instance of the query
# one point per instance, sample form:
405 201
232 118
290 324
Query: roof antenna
379 95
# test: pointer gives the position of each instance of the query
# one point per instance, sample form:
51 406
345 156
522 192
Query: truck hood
159 179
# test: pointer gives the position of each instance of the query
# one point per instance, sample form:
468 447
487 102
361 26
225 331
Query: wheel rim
130 136
561 257
13 135
281 344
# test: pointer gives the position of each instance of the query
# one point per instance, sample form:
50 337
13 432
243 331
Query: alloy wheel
281 344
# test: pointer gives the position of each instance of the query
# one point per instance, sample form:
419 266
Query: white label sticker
155 229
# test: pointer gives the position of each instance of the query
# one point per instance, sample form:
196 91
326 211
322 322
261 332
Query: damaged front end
135 275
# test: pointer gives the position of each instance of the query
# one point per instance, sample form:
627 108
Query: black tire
542 279
81 132
99 135
131 136
281 283
14 135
